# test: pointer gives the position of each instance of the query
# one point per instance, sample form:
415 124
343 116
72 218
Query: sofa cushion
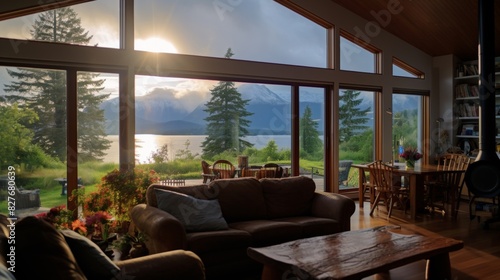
288 197
201 242
93 262
267 232
240 199
197 191
42 252
314 226
195 214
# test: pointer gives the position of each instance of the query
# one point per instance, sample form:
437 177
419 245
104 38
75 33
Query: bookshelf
466 105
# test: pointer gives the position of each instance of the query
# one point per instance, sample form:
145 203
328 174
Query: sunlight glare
155 44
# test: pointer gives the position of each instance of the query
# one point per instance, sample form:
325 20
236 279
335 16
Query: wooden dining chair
447 186
278 170
223 169
386 187
207 174
250 171
266 172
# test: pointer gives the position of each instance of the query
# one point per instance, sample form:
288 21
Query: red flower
411 154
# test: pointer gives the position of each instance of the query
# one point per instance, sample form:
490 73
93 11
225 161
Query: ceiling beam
12 9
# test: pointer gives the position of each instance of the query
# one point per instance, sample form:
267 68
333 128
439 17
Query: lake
149 143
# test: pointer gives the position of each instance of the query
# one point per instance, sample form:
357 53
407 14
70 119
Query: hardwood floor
479 259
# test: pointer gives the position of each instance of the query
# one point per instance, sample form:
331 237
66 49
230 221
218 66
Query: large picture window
356 133
257 30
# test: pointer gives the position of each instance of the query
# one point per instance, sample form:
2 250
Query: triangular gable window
356 55
402 69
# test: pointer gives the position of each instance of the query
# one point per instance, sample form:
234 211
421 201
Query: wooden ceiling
437 27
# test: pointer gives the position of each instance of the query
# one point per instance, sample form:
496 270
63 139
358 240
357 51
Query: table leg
270 272
438 267
361 179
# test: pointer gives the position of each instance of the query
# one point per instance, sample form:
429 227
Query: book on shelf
466 90
468 109
468 69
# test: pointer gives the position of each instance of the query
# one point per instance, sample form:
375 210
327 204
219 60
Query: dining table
414 177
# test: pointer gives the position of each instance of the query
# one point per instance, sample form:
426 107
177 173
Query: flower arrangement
411 154
62 218
98 225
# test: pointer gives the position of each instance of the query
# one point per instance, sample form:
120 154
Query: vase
103 244
410 164
138 250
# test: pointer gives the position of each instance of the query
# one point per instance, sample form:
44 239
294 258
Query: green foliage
358 148
160 155
16 148
185 154
405 124
311 144
44 91
119 191
270 153
226 121
352 119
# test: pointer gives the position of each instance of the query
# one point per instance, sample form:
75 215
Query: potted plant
131 245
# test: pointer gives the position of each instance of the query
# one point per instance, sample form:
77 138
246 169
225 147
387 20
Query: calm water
149 143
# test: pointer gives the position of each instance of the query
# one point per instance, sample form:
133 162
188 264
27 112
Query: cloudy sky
260 30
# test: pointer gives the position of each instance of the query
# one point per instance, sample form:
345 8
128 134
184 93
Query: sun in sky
155 44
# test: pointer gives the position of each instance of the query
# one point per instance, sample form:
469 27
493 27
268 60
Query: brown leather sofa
258 213
36 250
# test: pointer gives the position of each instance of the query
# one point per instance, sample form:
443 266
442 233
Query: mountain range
161 112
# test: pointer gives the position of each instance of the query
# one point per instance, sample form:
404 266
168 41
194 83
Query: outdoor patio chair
207 174
27 198
344 168
278 170
223 169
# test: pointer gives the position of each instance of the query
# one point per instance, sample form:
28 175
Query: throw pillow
42 252
93 262
194 214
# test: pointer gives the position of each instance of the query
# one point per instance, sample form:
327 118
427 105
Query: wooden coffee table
355 255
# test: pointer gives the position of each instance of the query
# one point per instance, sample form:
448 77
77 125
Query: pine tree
352 119
226 123
310 141
44 91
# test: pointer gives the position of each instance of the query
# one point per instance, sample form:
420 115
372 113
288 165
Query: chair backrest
344 168
278 170
205 167
248 172
266 172
223 169
381 176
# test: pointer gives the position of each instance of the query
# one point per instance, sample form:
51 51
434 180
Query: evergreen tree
44 91
352 119
226 121
310 141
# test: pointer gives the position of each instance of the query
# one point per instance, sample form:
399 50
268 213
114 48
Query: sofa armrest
173 265
333 206
163 231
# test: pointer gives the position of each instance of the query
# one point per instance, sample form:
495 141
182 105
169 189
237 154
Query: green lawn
49 197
